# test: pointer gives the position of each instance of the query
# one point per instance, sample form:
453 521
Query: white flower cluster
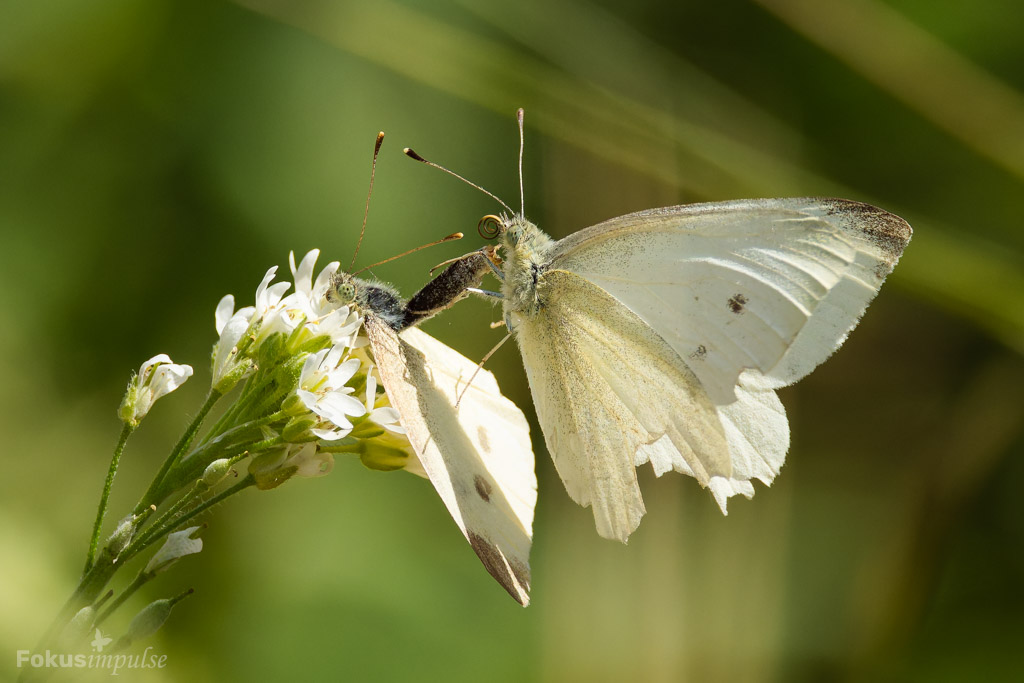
329 376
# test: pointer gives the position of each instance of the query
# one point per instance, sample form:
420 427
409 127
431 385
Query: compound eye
348 292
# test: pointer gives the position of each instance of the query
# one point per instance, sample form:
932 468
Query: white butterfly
477 456
661 336
473 444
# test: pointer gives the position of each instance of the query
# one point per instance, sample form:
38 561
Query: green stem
175 454
143 538
192 466
101 511
129 590
156 534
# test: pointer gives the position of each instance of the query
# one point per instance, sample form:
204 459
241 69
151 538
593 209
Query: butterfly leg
485 292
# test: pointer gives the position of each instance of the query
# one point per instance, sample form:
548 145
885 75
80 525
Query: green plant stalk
140 580
186 439
101 510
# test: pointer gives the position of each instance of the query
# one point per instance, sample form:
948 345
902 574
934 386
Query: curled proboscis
490 226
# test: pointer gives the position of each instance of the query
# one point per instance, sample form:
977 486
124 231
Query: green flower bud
215 472
122 536
297 429
384 458
149 620
271 350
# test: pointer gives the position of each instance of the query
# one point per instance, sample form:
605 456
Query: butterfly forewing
772 285
477 456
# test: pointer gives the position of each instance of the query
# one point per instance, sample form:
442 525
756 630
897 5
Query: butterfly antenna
479 366
366 211
522 196
450 238
413 155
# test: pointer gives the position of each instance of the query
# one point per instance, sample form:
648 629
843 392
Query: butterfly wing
767 287
477 456
738 298
609 391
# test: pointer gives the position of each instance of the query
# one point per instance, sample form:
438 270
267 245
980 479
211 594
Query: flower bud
149 620
122 536
215 472
297 429
157 376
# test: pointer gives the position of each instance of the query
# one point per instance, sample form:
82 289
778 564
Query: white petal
340 376
310 368
168 377
155 360
335 407
261 289
178 545
371 390
330 434
324 278
384 416
225 308
308 398
275 292
303 275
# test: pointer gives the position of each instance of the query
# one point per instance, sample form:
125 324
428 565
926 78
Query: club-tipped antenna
450 238
522 144
366 211
413 155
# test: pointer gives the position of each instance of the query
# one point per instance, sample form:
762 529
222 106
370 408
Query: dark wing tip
513 576
890 233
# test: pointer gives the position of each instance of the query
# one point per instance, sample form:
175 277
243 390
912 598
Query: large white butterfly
473 443
661 336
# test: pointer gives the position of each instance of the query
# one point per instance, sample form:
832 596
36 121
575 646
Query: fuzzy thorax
526 254
368 296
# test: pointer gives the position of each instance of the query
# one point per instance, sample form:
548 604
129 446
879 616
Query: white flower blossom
322 390
157 377
232 326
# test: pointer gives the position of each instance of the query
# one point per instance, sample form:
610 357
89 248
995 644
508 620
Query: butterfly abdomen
448 287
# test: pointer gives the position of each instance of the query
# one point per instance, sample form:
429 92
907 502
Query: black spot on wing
700 353
483 487
737 303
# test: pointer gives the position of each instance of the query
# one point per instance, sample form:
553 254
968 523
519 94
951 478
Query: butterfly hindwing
605 386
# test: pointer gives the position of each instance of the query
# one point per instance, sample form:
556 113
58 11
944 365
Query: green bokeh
156 155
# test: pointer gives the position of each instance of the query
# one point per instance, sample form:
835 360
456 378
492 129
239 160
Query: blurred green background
155 155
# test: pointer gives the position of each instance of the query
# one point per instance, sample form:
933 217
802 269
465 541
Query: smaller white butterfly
661 336
477 455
